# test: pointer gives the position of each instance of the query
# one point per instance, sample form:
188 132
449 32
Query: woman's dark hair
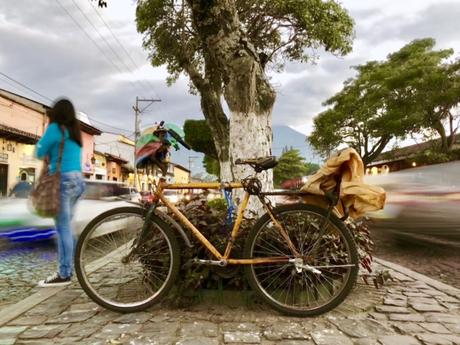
63 113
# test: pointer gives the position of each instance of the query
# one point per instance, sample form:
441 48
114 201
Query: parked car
422 202
19 223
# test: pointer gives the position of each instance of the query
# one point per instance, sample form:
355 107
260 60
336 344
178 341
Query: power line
26 87
120 44
105 41
46 97
93 41
110 126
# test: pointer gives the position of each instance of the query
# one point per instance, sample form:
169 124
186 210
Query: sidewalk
413 309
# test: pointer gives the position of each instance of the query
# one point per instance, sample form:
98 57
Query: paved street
411 309
22 265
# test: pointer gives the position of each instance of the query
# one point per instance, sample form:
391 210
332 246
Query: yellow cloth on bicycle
357 196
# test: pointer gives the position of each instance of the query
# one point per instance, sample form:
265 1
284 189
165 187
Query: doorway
3 179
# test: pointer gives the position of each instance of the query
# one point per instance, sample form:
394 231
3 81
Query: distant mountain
283 136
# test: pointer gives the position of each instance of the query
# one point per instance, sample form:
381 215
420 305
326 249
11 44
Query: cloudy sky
66 47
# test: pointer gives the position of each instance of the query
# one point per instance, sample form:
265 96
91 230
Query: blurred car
422 203
19 223
21 189
146 196
96 190
172 196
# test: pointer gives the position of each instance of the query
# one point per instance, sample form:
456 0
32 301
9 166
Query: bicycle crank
299 266
221 263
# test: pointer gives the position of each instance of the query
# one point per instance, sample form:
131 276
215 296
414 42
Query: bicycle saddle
259 164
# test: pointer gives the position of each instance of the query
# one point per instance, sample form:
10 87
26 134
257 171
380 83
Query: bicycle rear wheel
118 274
318 280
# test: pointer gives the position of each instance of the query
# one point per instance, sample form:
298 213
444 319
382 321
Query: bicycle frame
224 258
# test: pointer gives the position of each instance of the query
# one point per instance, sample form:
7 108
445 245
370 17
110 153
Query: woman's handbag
46 195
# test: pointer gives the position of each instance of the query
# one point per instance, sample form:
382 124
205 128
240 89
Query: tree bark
438 126
246 88
216 119
375 151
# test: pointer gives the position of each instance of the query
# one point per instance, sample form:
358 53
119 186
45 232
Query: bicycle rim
115 275
332 265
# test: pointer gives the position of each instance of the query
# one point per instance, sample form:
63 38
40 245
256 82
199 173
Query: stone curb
447 289
13 311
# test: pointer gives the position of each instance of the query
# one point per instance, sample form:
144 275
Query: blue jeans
72 187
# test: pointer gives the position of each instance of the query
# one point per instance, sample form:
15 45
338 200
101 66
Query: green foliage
199 136
211 165
410 91
433 156
279 30
210 217
218 204
291 165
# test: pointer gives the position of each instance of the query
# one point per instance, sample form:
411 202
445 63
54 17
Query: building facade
181 174
22 122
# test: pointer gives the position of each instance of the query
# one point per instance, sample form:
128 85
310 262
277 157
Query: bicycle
300 259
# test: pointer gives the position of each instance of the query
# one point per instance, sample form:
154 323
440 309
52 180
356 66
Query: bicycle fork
142 235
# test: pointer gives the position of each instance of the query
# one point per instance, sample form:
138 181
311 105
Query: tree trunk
216 119
251 137
438 126
247 90
452 132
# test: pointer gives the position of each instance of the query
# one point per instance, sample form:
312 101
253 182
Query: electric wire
121 46
109 59
46 97
26 87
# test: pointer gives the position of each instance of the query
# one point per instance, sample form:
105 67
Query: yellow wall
21 158
28 120
181 176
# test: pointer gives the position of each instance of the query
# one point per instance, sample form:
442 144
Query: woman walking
63 124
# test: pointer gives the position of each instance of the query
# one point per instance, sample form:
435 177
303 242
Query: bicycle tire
93 279
257 274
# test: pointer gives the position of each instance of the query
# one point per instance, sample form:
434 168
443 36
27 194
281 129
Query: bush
210 219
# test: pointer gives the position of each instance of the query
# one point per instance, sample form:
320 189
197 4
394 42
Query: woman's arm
47 141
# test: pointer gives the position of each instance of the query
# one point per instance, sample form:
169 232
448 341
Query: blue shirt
48 145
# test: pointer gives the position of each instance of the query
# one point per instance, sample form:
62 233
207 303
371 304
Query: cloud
439 20
54 57
43 48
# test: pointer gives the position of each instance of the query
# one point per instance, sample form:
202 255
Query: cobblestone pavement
404 312
21 266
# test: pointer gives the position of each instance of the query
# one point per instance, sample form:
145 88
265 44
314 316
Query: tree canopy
291 165
414 89
275 31
224 48
198 135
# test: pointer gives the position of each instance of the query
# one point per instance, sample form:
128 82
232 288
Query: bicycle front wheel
118 273
318 279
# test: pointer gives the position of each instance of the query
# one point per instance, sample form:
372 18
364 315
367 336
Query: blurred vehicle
172 196
214 194
19 223
422 203
21 189
146 196
96 190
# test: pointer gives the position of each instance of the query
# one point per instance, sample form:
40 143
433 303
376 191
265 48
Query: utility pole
137 122
190 160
